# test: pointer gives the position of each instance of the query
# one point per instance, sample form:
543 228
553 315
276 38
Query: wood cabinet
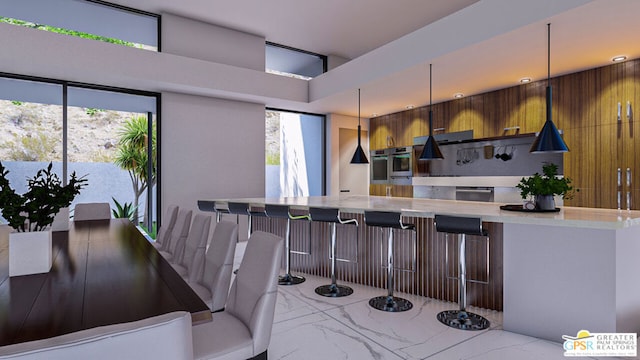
600 142
585 108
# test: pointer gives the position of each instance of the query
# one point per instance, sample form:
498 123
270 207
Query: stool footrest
333 290
463 320
390 303
288 279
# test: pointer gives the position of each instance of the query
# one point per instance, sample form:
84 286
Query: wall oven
380 166
401 165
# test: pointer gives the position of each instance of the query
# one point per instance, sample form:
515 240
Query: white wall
211 148
334 123
199 40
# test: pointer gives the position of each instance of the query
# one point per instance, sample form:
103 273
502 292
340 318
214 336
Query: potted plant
30 215
544 187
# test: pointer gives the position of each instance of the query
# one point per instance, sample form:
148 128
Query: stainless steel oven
380 166
401 165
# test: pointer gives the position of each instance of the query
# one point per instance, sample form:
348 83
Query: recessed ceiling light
374 114
525 80
619 58
409 107
458 95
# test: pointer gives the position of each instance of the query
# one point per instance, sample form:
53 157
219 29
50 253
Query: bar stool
332 215
461 319
210 206
282 211
388 220
238 209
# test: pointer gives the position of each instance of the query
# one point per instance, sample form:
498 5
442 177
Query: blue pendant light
359 157
431 151
549 138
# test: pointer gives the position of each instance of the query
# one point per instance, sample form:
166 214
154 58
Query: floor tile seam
460 343
365 336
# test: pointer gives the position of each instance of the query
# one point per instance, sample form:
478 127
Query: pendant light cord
430 100
549 54
358 107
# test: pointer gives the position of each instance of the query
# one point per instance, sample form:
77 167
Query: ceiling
490 44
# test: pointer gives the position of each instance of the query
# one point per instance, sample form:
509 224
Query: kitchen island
558 272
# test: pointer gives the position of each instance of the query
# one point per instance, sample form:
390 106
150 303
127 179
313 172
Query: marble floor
308 327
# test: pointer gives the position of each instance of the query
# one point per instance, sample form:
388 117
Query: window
84 136
292 62
294 154
90 19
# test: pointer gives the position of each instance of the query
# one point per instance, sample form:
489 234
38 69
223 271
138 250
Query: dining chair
142 339
192 259
179 235
164 232
213 283
92 211
243 329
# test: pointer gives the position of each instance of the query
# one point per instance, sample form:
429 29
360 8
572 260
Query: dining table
104 272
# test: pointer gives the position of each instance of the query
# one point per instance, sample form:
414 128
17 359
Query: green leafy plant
549 183
124 211
132 156
35 209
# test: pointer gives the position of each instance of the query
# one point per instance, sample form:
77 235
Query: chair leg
261 356
333 290
389 302
287 278
462 319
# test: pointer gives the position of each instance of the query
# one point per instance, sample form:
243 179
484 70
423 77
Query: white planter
61 221
29 253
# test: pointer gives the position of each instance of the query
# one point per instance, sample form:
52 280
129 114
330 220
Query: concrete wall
211 148
199 40
334 123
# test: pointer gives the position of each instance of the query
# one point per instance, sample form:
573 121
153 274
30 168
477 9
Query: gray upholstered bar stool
238 208
390 221
462 226
332 215
282 211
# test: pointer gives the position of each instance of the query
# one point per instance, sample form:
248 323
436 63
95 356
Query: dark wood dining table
104 272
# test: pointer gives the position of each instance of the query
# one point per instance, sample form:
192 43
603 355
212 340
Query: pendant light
431 150
549 139
359 157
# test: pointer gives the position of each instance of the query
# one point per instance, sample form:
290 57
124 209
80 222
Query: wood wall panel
584 107
420 257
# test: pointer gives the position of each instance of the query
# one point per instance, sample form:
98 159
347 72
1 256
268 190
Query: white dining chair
92 211
164 232
142 339
213 284
243 329
192 260
179 235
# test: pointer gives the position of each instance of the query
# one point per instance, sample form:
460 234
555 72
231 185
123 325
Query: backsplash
505 156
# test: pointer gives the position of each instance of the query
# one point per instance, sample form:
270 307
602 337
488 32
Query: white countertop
484 181
490 212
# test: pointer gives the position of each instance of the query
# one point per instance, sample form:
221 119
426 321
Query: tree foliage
65 31
132 156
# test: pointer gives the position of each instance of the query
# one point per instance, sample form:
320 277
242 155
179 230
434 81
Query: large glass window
31 129
89 19
283 60
103 134
294 154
